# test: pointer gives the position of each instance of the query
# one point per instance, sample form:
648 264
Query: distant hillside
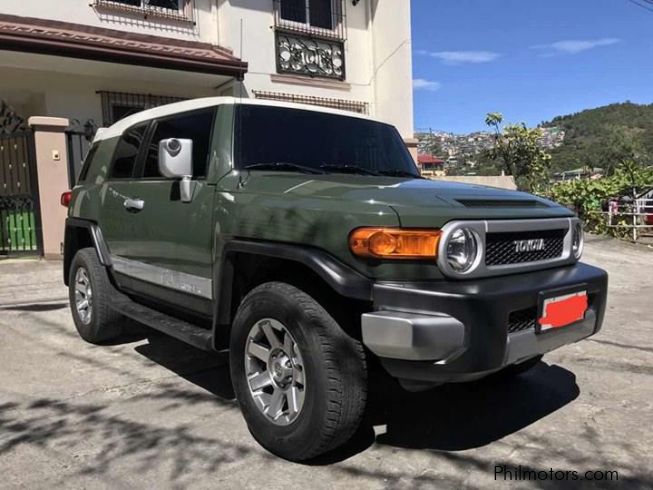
590 134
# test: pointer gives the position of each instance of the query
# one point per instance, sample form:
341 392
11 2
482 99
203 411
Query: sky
531 60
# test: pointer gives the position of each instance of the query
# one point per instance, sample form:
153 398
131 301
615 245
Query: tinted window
124 159
294 10
196 126
268 135
320 12
321 15
87 162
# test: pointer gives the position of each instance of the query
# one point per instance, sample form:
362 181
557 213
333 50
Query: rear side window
196 126
87 163
124 159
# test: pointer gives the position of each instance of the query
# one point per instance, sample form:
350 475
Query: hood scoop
502 203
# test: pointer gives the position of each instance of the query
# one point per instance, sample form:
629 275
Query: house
92 62
430 165
95 61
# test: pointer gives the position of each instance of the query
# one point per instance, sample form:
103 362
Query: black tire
103 323
522 367
334 370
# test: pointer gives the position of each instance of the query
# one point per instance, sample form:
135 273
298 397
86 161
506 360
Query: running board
174 327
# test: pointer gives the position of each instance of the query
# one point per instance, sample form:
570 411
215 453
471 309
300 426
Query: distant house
579 173
430 163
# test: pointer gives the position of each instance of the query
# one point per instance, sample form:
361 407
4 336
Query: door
155 238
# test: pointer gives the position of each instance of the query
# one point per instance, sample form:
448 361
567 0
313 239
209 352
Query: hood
418 202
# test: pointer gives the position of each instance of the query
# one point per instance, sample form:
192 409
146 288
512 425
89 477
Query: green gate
20 229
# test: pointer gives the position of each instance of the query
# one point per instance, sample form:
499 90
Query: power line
640 5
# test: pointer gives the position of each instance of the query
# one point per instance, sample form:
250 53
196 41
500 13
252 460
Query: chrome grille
501 248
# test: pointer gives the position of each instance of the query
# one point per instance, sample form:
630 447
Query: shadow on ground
488 410
446 421
36 307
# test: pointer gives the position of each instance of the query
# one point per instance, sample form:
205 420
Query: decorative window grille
166 9
342 104
118 105
310 37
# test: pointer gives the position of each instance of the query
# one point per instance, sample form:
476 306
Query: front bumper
459 331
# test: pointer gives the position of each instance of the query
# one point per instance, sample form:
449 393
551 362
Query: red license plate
560 311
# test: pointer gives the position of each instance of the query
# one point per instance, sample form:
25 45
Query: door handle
134 204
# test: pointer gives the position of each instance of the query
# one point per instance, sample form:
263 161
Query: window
164 4
118 105
196 126
310 38
87 162
124 159
315 13
181 10
319 140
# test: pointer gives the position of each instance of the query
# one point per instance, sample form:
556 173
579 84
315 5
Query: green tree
517 149
620 148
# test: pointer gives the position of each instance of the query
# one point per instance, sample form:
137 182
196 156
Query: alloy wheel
275 371
83 296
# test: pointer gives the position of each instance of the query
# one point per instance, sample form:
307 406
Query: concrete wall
52 170
502 181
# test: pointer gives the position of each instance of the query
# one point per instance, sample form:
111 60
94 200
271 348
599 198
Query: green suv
304 241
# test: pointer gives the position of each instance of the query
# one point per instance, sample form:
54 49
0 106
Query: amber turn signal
394 243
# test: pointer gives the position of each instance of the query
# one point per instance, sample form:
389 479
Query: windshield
294 139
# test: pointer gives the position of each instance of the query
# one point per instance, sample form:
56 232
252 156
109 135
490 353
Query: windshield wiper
395 172
283 166
348 169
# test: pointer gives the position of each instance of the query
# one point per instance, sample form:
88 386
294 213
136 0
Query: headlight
577 240
462 250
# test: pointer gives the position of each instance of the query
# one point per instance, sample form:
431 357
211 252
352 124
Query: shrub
587 197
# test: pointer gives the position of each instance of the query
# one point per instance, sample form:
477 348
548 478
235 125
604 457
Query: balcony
304 55
310 37
177 10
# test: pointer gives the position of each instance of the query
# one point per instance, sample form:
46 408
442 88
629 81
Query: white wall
80 12
392 54
67 88
377 55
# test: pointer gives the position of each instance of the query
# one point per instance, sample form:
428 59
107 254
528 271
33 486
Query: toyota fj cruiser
304 241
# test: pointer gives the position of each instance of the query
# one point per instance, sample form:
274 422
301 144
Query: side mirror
176 158
176 162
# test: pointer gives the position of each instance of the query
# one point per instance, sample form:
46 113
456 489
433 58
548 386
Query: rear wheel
89 292
301 381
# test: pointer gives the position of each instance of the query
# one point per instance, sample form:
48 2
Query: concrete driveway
154 413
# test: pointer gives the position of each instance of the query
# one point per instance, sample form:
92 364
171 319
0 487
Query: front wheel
301 381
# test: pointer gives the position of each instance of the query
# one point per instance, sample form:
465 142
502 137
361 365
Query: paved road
157 414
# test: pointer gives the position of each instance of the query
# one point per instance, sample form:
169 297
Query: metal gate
20 221
78 141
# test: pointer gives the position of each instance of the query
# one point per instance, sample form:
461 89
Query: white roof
194 104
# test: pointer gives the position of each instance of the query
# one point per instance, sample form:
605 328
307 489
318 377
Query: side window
124 159
196 126
87 163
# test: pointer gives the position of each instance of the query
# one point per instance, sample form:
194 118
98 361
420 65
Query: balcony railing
181 10
305 55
